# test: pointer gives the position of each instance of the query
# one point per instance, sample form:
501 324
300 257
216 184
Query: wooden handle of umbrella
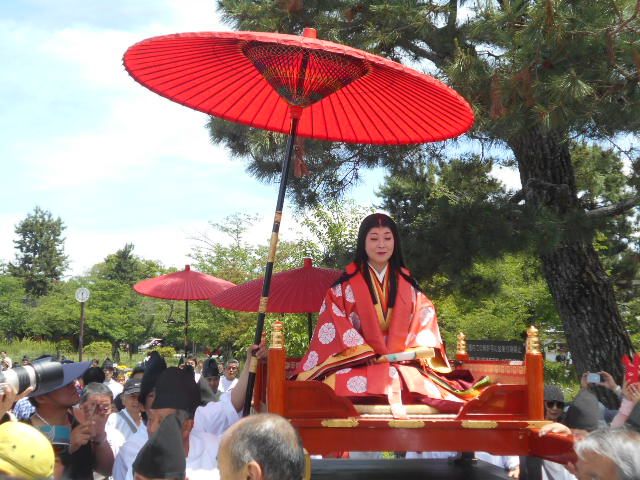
423 352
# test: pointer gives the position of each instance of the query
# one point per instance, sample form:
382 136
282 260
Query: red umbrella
293 291
302 86
184 285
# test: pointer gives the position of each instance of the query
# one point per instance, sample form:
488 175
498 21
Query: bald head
261 447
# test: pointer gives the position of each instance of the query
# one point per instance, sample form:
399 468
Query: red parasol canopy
254 78
184 285
293 291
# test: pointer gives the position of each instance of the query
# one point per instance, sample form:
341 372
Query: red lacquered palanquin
503 420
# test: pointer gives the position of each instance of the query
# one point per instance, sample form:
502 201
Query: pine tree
40 260
538 73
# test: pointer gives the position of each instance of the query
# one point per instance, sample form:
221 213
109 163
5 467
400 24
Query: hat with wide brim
71 371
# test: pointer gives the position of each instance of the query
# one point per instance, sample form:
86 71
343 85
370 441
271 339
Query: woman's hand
554 428
608 381
80 436
632 392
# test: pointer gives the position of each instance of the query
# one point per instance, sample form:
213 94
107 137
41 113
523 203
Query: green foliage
14 310
35 348
97 349
40 260
166 352
518 298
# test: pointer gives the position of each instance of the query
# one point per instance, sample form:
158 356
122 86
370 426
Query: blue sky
116 162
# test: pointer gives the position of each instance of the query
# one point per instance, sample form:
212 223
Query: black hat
163 455
107 364
154 367
177 388
70 372
210 368
553 393
584 412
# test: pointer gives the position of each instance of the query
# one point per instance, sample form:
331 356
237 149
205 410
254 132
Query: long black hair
396 262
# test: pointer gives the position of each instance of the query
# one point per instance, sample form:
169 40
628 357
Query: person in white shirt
229 380
126 422
109 370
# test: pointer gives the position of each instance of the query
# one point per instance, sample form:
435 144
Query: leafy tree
14 311
125 267
40 260
538 74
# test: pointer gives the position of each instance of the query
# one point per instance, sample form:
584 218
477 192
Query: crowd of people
377 339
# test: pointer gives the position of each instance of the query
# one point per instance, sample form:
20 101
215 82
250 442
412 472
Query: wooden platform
403 469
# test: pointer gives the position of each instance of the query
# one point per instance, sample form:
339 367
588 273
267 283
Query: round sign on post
82 294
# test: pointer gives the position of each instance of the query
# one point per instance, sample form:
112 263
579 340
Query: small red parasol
184 285
300 290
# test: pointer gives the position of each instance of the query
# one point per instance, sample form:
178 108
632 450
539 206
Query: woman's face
379 246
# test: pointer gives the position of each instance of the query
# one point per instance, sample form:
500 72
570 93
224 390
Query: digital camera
39 375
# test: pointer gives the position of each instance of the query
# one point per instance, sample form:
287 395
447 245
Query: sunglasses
554 404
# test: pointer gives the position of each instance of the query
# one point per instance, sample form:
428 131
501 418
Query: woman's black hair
396 262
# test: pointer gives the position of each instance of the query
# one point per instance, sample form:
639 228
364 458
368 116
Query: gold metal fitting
277 337
462 344
533 340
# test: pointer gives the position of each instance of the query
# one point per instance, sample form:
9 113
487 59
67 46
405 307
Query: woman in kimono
377 338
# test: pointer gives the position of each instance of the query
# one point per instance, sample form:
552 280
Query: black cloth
177 388
152 370
163 455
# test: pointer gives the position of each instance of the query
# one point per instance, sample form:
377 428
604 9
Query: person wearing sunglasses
553 403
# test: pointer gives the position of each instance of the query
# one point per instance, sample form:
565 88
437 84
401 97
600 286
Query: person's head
96 398
553 402
25 452
108 369
261 447
584 413
130 395
211 373
26 360
378 242
164 455
611 454
65 395
137 373
231 368
175 390
93 374
154 368
191 361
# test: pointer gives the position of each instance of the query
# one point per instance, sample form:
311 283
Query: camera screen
593 378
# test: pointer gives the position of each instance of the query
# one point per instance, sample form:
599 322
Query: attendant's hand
514 472
554 428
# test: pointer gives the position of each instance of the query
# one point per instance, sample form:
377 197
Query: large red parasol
301 86
184 285
300 290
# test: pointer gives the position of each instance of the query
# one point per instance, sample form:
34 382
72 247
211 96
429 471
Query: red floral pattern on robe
348 337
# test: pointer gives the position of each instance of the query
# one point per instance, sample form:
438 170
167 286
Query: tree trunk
581 289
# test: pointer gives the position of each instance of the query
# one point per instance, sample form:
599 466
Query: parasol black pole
310 326
273 245
186 329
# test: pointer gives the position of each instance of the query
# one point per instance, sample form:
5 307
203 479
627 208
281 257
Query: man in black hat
163 456
154 366
81 447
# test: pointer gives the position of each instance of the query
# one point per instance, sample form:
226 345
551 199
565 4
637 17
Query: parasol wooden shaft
273 245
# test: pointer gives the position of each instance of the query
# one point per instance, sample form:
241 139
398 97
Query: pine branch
614 209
